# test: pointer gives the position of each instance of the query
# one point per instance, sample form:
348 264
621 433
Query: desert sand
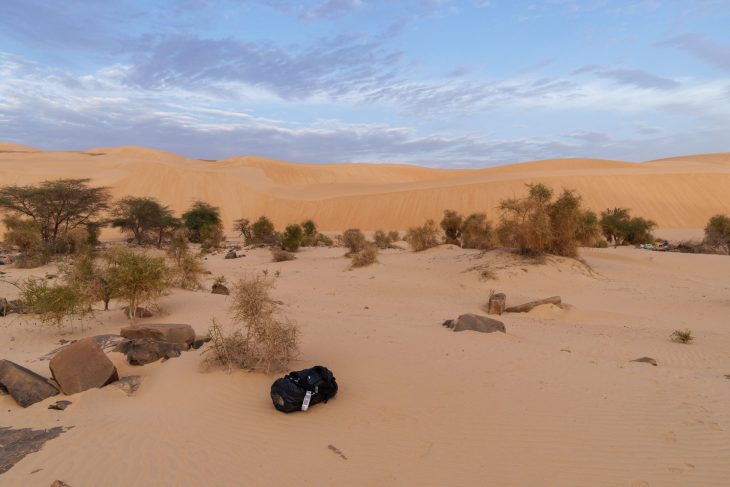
556 401
682 192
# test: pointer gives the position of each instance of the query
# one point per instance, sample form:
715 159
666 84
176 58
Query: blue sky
435 82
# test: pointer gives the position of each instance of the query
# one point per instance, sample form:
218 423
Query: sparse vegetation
204 224
280 255
291 239
54 303
26 236
477 232
243 227
354 240
263 232
717 232
682 336
423 237
619 227
451 225
261 339
188 271
145 219
57 207
366 256
382 240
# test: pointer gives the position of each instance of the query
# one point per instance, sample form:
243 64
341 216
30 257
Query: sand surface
681 192
554 402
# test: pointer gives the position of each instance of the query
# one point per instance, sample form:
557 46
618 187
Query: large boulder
144 351
25 386
162 332
82 365
478 323
220 289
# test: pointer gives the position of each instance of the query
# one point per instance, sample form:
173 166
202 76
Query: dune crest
681 192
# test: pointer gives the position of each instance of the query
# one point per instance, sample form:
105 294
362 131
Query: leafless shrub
423 237
368 255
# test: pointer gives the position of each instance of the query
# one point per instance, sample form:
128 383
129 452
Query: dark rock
25 386
8 307
478 323
231 254
163 332
646 360
220 289
105 342
82 365
59 483
129 384
4 307
496 304
16 444
143 351
140 312
59 405
200 341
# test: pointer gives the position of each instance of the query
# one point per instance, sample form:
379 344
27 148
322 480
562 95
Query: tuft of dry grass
682 336
368 255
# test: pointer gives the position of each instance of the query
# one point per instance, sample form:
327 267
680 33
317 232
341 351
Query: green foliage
451 224
368 255
90 277
54 304
26 236
353 239
477 232
291 239
203 221
144 218
423 237
682 336
137 278
187 271
620 228
309 228
263 232
57 206
717 232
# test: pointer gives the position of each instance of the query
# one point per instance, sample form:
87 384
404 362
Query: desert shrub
75 241
291 239
211 237
537 224
394 236
26 236
477 232
187 271
203 222
57 207
423 237
451 225
382 240
90 276
619 227
682 336
144 218
602 244
324 241
243 227
354 240
261 339
54 303
280 255
310 233
717 232
179 244
137 278
263 232
368 255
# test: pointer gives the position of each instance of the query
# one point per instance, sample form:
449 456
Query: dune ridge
679 192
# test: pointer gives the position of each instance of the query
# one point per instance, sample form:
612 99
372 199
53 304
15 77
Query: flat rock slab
144 351
163 332
25 386
105 342
646 360
16 444
82 365
524 308
60 405
478 323
129 384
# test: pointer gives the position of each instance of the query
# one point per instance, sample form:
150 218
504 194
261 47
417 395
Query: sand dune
680 192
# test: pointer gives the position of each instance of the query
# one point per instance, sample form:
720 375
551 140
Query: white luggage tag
307 398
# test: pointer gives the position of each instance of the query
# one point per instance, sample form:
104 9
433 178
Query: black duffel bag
297 391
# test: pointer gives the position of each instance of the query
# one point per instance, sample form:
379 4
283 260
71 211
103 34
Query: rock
129 384
478 323
25 386
646 360
8 307
524 308
220 289
143 351
140 312
105 342
163 332
496 304
59 483
59 405
231 254
200 341
16 444
4 307
82 365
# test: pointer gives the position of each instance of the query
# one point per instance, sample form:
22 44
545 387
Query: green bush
291 239
263 232
54 304
423 237
477 232
204 224
621 228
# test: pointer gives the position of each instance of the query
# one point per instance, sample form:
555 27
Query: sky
441 83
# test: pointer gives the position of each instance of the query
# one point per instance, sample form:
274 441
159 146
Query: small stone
129 384
474 322
231 254
59 483
220 289
59 405
200 341
646 360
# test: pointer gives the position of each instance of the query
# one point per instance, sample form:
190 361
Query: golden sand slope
680 192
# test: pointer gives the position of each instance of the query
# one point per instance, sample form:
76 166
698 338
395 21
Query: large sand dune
681 192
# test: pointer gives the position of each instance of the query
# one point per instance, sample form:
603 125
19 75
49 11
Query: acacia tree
56 206
203 221
145 218
620 227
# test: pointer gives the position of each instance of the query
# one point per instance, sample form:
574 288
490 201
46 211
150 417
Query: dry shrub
368 255
717 232
477 232
26 236
262 340
354 240
451 225
382 240
188 271
394 236
280 255
423 237
682 336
